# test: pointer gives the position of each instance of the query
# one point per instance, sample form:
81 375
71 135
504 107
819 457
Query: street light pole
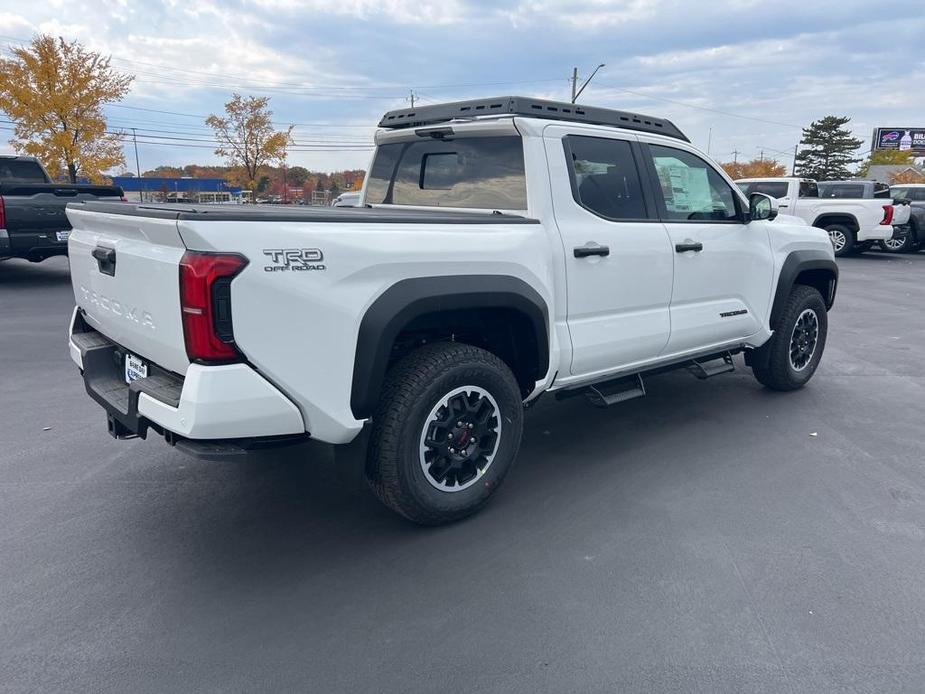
576 94
137 165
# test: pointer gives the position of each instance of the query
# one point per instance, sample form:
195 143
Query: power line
214 144
697 106
202 117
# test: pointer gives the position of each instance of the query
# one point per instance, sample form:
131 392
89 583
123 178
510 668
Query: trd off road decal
294 259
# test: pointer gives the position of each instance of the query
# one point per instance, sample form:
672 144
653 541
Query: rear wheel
842 239
796 347
445 433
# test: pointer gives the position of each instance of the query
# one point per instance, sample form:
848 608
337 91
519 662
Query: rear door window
477 173
605 179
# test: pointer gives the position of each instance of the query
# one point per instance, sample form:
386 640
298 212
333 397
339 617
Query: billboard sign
910 140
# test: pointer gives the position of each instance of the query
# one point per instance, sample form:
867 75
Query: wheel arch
814 268
843 218
409 302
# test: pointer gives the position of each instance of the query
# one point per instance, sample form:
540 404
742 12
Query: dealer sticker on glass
62 235
135 368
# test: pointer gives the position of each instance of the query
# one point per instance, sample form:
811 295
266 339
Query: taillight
205 301
887 214
2 213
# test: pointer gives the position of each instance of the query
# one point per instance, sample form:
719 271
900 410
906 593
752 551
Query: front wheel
842 239
445 433
796 347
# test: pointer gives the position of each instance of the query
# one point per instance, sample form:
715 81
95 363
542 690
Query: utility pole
137 165
576 91
411 97
795 148
735 156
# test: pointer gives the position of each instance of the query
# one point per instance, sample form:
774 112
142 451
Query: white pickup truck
507 247
854 225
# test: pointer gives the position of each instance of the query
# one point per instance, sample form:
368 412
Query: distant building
180 189
884 173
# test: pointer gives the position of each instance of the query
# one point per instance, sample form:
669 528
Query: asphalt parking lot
711 537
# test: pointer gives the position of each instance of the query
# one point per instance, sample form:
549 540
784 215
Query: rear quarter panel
299 328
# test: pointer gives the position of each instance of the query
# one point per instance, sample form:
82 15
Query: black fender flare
796 263
408 299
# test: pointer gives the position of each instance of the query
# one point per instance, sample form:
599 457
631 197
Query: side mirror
761 206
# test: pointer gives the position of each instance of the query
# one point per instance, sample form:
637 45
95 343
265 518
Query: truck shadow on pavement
306 511
21 273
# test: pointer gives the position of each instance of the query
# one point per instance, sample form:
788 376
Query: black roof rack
524 106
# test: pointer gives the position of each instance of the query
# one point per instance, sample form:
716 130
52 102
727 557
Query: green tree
828 150
886 156
297 175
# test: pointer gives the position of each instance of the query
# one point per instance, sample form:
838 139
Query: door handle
105 260
688 246
586 251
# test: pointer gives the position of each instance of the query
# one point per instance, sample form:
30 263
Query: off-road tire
841 231
780 373
413 387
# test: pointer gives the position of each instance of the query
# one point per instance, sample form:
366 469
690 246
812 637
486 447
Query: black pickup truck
33 224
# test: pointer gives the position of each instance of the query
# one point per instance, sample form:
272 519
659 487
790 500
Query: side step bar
707 369
619 390
623 388
607 393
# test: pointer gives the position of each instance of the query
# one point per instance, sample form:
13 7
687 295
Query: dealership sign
904 139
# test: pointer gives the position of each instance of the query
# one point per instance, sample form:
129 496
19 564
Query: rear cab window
17 171
485 173
842 191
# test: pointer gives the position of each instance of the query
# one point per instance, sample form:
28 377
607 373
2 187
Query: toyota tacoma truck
505 248
853 225
33 223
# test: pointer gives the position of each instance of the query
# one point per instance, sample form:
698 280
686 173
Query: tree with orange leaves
53 91
247 139
756 168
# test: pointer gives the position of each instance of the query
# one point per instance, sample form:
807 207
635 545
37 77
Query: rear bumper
900 232
881 232
32 245
209 403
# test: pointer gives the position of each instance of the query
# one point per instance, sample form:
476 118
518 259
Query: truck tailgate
126 278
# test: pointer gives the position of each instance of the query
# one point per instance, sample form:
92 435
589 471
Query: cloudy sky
752 71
